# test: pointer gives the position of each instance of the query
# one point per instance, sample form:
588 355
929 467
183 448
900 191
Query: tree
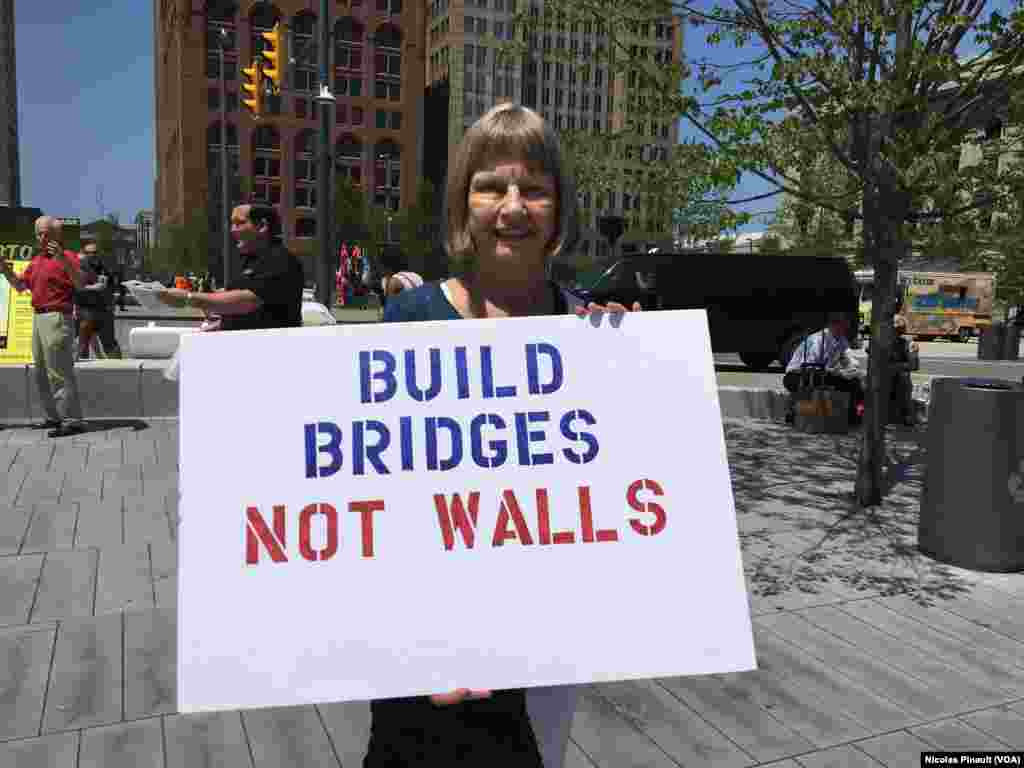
376 219
891 90
184 247
417 227
349 210
809 228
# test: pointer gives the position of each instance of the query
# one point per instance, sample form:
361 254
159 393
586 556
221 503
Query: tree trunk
884 246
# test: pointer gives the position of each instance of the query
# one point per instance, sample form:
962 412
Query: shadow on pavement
740 368
802 530
106 425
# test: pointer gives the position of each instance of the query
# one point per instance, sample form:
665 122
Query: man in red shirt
52 277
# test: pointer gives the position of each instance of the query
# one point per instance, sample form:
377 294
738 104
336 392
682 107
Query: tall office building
462 45
377 76
10 171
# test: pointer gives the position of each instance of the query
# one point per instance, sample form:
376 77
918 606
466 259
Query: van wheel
757 359
964 335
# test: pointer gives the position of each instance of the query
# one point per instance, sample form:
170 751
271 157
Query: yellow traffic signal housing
273 70
253 87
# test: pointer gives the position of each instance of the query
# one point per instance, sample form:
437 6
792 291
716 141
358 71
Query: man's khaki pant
53 340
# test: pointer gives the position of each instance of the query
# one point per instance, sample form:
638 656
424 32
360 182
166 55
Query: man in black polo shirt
267 292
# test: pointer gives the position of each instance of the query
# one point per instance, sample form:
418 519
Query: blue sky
85 104
86 111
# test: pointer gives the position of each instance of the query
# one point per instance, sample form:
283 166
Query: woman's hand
611 306
457 697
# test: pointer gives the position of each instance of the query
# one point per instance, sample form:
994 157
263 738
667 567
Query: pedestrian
828 350
511 207
267 292
903 359
52 277
341 286
392 285
95 303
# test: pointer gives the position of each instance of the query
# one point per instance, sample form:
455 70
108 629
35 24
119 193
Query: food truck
936 305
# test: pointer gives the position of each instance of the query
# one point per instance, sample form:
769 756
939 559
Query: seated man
828 350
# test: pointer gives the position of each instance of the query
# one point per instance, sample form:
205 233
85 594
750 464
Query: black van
759 305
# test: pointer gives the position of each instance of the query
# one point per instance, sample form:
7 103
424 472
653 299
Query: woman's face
513 215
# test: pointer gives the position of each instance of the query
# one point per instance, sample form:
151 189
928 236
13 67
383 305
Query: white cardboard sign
404 509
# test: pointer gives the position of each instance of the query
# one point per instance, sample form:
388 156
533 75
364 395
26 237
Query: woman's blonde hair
506 131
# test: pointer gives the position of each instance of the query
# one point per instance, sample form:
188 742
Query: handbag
818 406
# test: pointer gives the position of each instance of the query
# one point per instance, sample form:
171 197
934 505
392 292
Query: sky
86 107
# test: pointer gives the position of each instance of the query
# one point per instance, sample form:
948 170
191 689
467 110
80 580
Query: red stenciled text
457 517
273 539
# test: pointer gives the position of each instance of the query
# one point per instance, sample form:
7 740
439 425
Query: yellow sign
16 319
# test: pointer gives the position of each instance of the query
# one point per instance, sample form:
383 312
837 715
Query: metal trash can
972 505
991 342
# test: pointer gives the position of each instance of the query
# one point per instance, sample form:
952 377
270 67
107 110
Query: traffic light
272 54
253 87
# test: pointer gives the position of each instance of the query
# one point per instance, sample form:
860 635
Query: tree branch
752 9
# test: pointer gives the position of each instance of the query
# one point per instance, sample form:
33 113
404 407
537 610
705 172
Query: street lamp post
225 242
323 195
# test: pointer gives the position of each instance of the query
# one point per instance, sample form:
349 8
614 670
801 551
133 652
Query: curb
137 389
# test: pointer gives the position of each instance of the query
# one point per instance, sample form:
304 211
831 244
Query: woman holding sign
511 208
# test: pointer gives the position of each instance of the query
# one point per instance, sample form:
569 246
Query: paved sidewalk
868 652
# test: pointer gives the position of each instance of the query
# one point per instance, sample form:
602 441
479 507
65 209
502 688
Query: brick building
377 68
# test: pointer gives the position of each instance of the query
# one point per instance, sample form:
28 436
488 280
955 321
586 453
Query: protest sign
403 509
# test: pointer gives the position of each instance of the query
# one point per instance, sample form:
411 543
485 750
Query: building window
545 98
390 7
599 78
304 53
481 56
348 57
300 108
349 154
389 63
305 227
389 120
266 164
213 67
559 97
341 114
213 151
221 17
470 54
387 89
305 170
348 86
357 115
387 174
213 99
597 102
305 196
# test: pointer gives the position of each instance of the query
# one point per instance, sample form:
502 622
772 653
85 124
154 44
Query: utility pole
10 166
324 276
225 241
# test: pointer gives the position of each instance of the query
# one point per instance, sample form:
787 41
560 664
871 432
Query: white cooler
156 341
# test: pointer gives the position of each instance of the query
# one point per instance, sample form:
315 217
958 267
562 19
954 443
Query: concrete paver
868 652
